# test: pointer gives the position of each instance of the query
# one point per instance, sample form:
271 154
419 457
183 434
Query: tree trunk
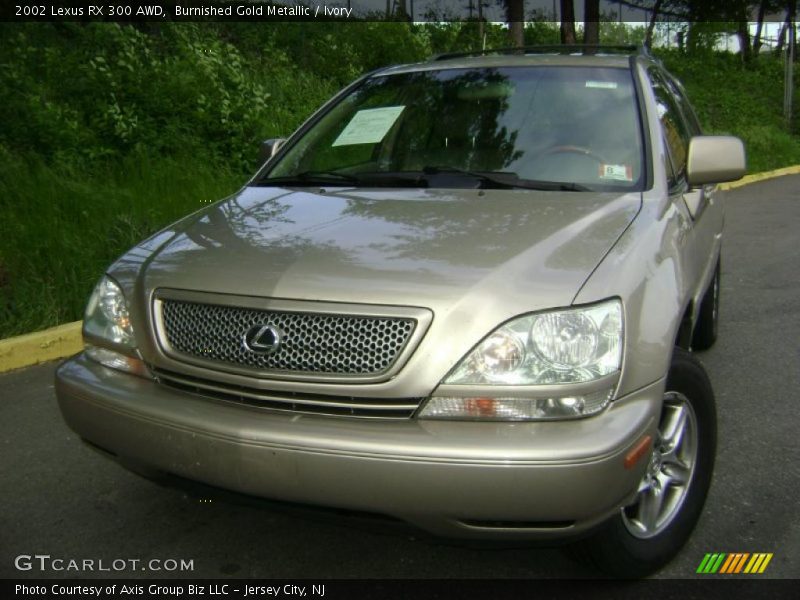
591 27
782 36
791 11
762 9
481 26
648 38
515 17
792 29
567 22
699 13
743 33
788 83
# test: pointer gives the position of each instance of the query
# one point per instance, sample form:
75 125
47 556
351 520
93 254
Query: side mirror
269 148
714 159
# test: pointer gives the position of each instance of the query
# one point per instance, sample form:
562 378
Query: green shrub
62 227
744 100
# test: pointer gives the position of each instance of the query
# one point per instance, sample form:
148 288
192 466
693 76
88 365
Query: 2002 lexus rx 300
464 293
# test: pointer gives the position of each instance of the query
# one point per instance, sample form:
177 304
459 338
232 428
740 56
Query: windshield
546 127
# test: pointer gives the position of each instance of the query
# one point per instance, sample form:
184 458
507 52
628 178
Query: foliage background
108 132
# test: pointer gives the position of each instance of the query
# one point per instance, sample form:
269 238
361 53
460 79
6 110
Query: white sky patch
602 85
369 126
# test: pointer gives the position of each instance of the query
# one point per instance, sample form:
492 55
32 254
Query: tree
648 38
591 18
567 22
786 29
762 9
740 11
765 7
515 17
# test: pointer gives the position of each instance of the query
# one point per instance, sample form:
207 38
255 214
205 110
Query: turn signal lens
115 360
516 409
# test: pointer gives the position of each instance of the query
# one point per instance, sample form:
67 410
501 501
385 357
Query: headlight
107 315
107 321
565 350
574 345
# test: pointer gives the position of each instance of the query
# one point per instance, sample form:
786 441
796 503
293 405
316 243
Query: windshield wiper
507 180
496 178
429 175
312 178
555 186
366 178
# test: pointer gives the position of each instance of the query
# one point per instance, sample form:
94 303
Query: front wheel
647 534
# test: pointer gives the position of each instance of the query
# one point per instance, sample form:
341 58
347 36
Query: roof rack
552 49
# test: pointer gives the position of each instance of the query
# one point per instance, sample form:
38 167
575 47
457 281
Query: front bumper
462 479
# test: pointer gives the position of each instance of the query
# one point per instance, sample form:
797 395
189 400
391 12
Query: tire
638 541
705 332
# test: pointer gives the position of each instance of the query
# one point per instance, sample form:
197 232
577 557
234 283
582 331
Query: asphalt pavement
60 498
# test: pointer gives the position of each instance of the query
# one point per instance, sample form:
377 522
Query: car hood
438 249
466 252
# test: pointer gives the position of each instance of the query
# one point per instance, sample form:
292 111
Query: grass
62 228
743 101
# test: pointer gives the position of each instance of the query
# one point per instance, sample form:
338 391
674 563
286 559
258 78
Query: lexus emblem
263 339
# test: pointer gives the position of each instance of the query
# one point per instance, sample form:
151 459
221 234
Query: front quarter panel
645 270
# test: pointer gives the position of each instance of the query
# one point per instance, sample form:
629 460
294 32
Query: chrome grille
312 343
397 408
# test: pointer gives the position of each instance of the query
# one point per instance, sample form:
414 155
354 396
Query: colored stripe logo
735 563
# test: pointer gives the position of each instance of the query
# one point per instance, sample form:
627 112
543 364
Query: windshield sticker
369 126
616 172
603 85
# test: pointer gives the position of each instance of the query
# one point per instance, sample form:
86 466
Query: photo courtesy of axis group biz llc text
169 590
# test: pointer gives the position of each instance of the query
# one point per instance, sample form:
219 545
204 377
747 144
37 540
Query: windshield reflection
569 125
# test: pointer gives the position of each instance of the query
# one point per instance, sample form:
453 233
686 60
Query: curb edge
756 177
40 346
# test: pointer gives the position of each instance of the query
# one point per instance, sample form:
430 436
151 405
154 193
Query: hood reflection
329 244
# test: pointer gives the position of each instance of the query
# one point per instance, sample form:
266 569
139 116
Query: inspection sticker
369 126
616 172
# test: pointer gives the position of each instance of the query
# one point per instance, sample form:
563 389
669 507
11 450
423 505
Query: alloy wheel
666 481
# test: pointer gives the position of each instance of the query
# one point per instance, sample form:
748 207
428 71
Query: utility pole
481 28
788 83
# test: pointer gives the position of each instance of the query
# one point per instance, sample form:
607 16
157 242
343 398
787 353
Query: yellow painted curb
41 346
748 179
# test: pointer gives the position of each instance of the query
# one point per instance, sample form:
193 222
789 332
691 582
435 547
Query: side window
676 132
686 108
